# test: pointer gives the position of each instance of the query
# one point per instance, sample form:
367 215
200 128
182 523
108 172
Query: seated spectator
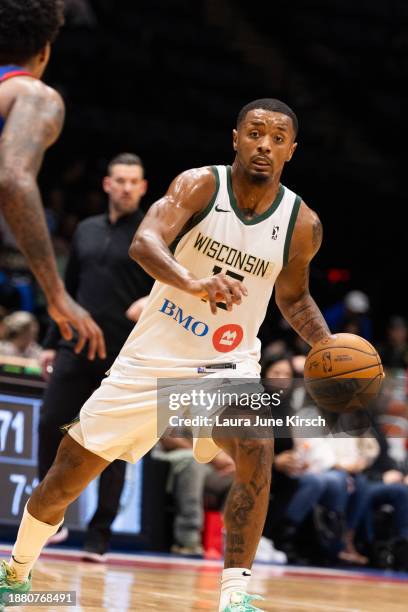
20 337
350 315
394 352
274 349
352 456
189 482
3 314
379 484
305 474
388 486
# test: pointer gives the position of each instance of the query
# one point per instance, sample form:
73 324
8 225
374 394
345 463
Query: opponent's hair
127 159
26 26
270 104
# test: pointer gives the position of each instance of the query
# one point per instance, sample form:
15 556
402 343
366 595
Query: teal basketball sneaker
241 602
9 582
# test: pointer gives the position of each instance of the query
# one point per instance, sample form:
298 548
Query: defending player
31 119
237 232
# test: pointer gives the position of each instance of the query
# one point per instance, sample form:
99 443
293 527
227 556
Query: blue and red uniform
8 72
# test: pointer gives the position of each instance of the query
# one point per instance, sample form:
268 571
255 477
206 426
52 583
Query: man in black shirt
103 279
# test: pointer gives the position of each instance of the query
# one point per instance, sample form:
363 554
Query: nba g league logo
275 232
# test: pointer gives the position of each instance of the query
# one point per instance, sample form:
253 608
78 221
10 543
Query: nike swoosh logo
246 574
221 209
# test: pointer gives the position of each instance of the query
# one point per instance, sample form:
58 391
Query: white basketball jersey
178 329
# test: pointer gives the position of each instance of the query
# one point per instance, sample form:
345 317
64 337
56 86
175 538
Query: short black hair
26 26
270 104
127 159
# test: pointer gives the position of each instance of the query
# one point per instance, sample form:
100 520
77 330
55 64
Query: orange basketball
343 373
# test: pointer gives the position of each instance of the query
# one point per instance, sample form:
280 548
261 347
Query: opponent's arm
188 194
292 285
34 119
34 123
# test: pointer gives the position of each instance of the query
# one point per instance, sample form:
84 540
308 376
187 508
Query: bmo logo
227 337
198 328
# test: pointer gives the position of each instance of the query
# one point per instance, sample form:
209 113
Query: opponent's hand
68 314
47 358
219 288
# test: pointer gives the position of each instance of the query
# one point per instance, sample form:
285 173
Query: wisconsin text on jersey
233 257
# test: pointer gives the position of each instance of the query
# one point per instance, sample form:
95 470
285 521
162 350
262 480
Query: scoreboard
21 389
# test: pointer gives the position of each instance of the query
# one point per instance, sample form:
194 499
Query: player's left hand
68 314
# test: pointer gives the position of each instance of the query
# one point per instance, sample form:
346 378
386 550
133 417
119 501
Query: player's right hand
219 288
68 314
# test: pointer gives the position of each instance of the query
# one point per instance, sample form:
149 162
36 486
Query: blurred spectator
20 336
394 352
379 484
3 314
105 281
189 482
273 349
322 488
298 365
306 480
350 315
354 455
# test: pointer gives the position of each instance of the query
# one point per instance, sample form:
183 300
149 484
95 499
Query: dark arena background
166 80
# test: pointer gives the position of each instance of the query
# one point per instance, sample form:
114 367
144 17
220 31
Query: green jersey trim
291 227
195 219
239 213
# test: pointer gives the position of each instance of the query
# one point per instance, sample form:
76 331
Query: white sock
233 579
31 538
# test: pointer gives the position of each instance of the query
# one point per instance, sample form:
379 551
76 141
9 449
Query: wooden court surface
137 583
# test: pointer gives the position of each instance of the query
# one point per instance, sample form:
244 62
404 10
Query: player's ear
291 151
234 139
143 187
107 184
45 54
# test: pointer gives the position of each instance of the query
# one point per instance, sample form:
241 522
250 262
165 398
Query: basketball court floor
145 582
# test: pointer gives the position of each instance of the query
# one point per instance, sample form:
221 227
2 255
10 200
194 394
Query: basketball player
31 119
236 232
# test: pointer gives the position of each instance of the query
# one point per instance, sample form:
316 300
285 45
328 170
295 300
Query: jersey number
218 270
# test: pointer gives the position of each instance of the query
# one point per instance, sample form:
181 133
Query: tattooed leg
247 502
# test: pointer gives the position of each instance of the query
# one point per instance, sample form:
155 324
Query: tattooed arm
292 285
34 116
33 123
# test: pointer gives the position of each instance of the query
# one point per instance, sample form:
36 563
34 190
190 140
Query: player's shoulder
34 91
307 217
194 187
27 86
198 177
308 229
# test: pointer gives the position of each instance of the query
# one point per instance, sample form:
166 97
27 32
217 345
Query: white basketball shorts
119 420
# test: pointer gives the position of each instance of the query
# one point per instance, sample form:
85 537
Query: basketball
343 373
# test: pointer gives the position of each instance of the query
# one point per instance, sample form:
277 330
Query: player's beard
259 178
